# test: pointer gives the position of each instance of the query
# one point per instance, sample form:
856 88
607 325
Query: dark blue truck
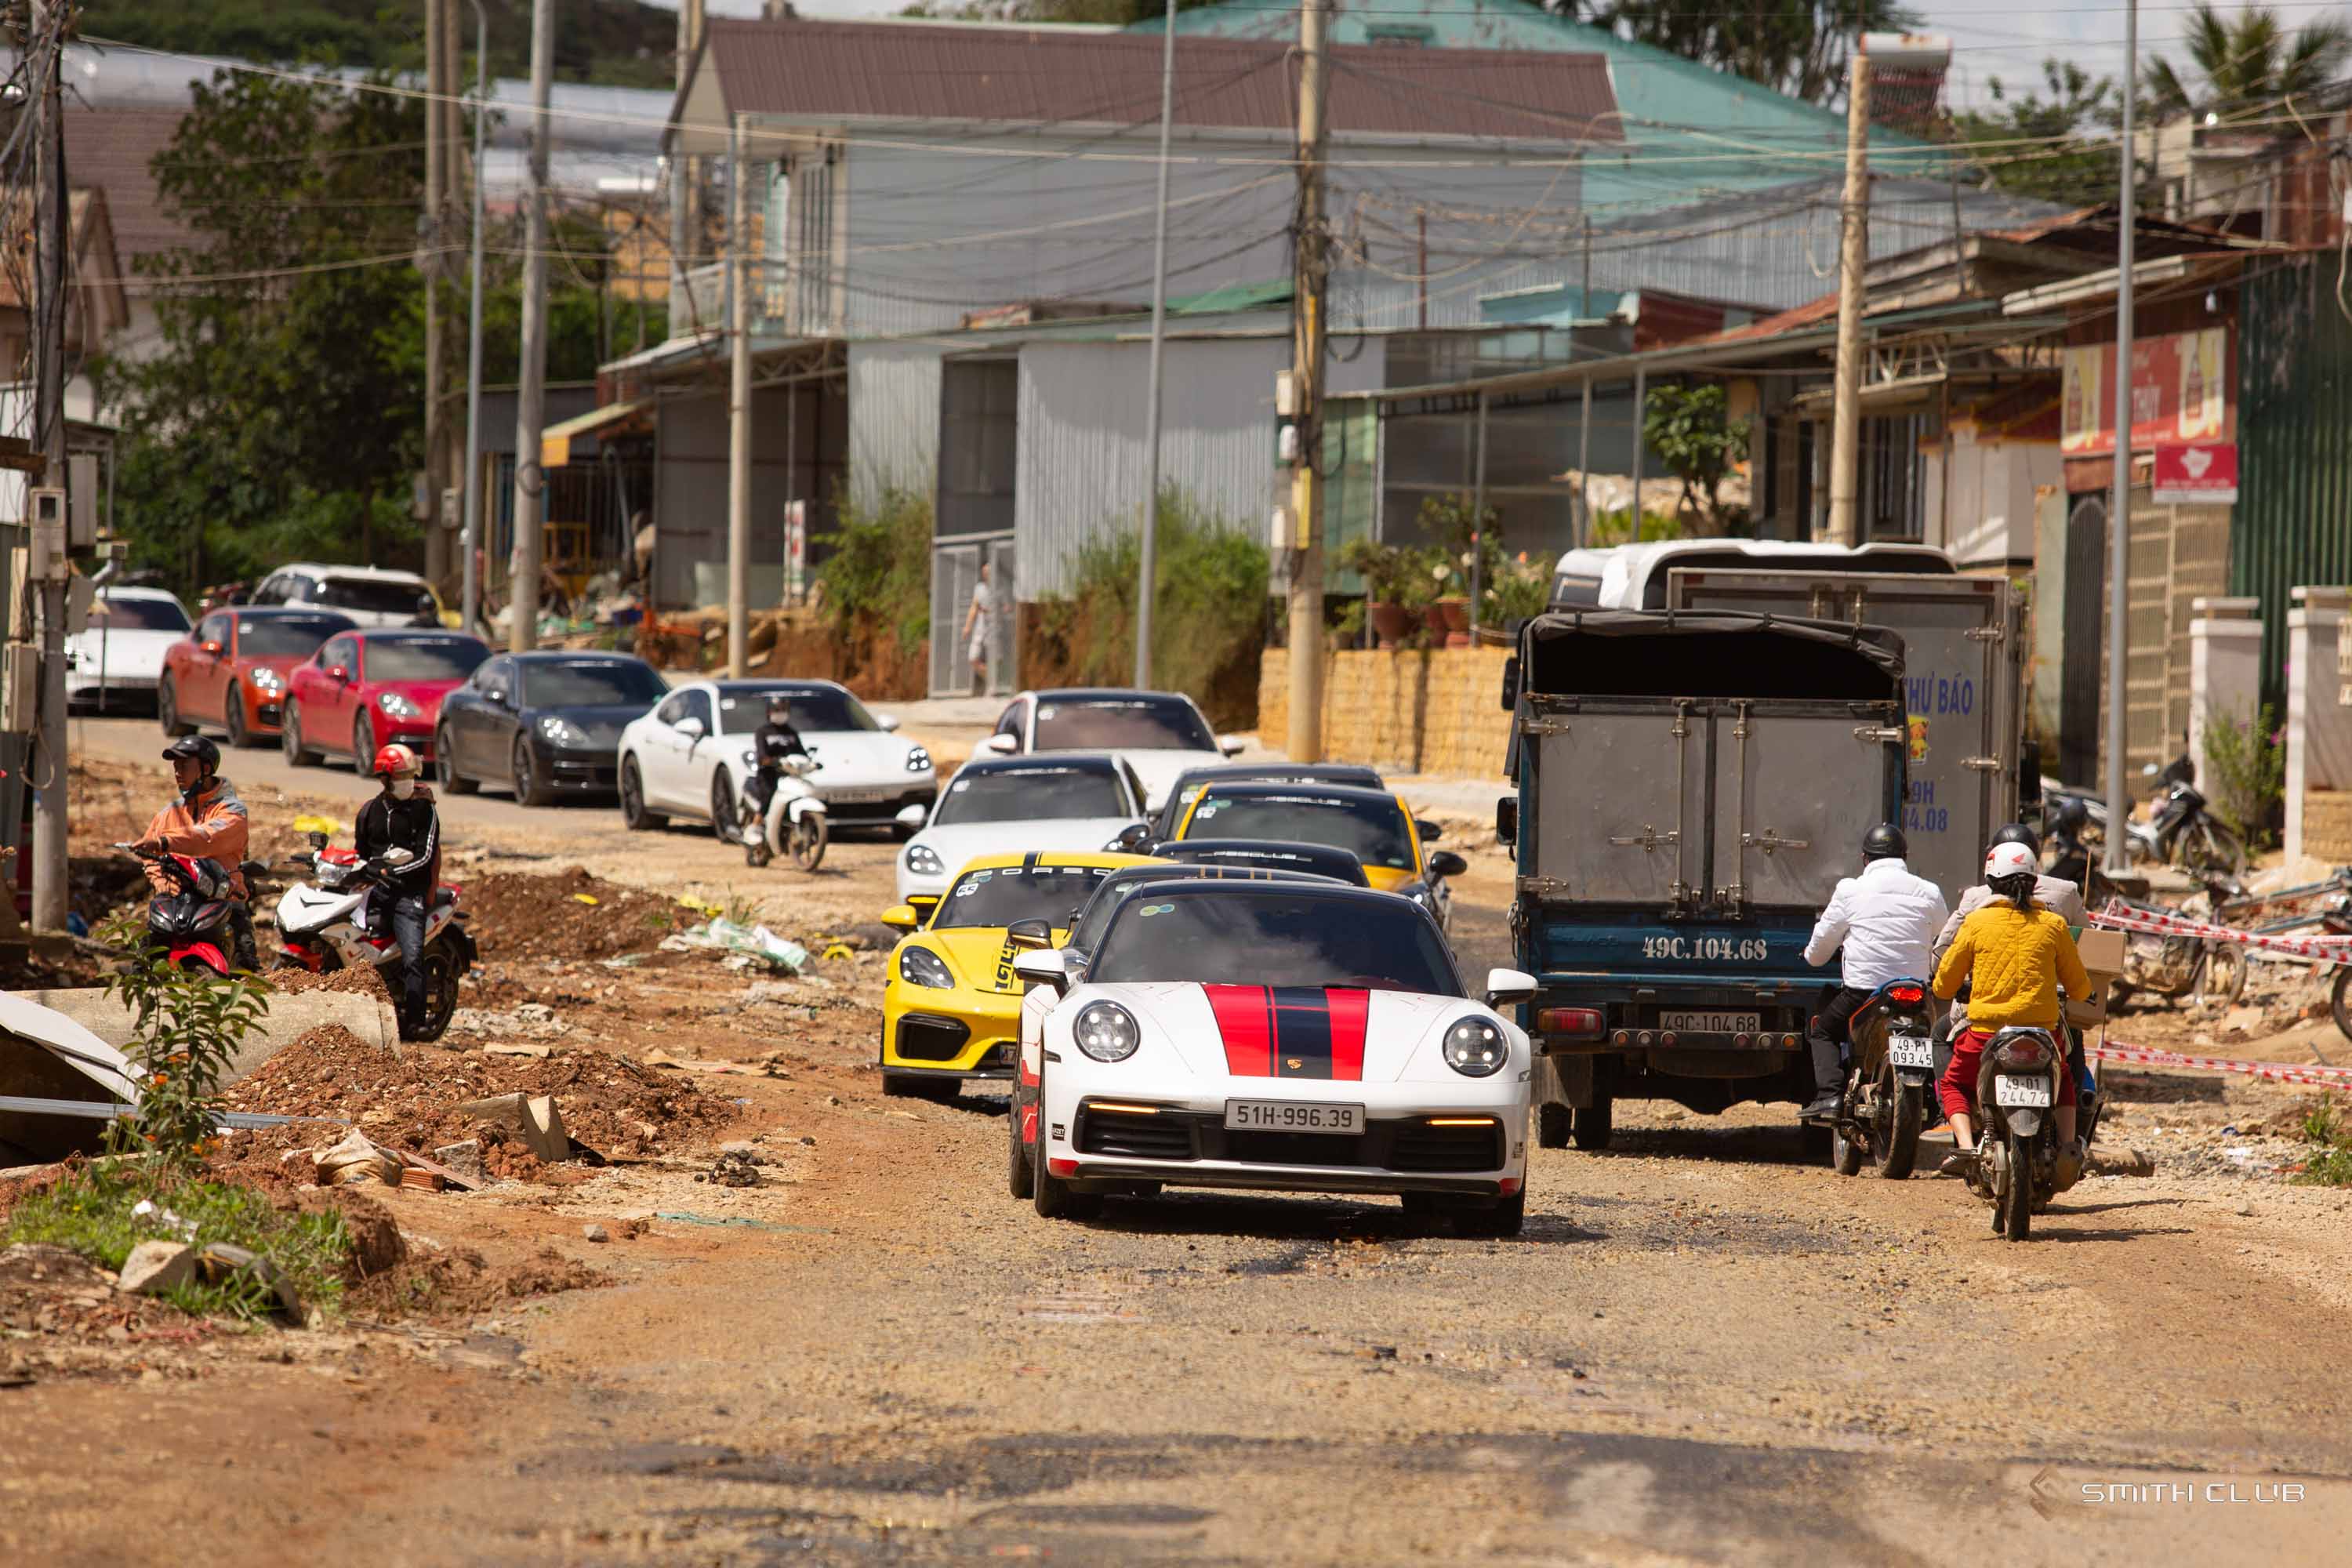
1691 787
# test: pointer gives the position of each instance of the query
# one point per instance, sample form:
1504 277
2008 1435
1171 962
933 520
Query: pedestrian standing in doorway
979 630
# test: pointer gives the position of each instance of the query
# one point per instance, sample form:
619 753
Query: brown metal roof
892 70
113 149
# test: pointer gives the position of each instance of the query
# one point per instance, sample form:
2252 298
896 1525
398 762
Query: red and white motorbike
342 923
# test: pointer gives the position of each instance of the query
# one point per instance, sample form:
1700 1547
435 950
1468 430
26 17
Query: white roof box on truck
1634 577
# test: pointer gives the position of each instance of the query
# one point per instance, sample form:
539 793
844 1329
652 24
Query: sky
2005 38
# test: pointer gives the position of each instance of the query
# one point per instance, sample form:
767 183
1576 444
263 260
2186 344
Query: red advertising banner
2204 474
2184 387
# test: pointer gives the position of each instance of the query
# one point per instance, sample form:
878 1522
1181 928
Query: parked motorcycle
2174 967
1892 1060
796 820
192 923
2181 830
345 921
2016 1170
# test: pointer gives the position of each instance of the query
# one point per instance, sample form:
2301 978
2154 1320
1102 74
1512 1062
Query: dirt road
1703 1351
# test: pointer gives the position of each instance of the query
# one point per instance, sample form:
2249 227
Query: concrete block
533 1120
155 1266
290 1016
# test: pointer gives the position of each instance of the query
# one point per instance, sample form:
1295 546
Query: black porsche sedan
543 722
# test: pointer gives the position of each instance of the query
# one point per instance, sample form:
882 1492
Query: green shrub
2245 766
879 573
2330 1162
184 1030
1209 607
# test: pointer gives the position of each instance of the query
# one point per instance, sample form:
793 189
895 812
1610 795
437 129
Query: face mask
402 788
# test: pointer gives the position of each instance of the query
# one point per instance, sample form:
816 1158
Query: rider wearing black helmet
770 745
207 820
1884 920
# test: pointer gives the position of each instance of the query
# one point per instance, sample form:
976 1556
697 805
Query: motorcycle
342 924
192 921
1890 1066
795 822
2016 1169
2181 830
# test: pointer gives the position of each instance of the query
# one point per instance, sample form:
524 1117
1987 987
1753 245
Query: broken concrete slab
533 1119
291 1015
46 1054
155 1266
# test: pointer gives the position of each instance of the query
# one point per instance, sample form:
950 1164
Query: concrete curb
290 1016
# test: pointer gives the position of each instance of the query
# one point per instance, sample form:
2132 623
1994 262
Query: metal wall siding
2293 522
894 418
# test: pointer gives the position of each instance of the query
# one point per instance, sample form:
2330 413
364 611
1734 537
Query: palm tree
2248 63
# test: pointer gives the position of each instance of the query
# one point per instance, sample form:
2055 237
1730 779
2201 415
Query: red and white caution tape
2322 1076
2120 915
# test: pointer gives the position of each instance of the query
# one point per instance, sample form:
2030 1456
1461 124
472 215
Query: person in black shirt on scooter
771 744
402 828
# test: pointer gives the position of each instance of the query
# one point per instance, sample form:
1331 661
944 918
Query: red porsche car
232 671
368 689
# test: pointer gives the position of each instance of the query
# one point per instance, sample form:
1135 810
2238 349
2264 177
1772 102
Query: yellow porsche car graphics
952 1007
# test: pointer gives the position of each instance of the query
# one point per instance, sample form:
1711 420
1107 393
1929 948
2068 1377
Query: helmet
394 761
2017 832
779 702
206 754
2070 816
2008 858
1884 842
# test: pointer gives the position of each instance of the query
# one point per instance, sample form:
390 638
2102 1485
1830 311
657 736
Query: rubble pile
566 914
366 983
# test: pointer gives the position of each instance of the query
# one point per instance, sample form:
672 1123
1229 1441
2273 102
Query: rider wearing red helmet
401 828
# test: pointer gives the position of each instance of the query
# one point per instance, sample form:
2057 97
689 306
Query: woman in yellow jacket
2013 956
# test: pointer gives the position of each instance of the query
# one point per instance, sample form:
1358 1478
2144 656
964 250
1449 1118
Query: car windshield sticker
1207 811
1148 911
1045 713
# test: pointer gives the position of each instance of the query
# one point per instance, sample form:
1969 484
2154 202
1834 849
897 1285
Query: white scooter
341 924
795 823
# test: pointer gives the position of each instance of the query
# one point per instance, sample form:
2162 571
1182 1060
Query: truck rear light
1743 1040
1667 1038
1623 1036
1644 1038
1789 1042
1577 1023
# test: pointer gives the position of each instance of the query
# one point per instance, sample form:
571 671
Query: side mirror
923 904
1430 832
912 817
886 722
1231 744
1029 936
1003 745
1509 987
1049 968
212 647
689 728
318 842
252 868
1506 822
1446 863
1511 684
901 917
1133 838
2148 770
337 672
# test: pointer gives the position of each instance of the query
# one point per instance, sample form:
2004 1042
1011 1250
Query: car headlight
751 760
397 706
1107 1032
270 683
919 760
1475 1047
923 861
561 732
921 966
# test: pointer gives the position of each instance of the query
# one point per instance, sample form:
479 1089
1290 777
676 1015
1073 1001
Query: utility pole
49 866
2119 508
738 402
440 78
1146 585
685 177
469 570
1307 328
531 401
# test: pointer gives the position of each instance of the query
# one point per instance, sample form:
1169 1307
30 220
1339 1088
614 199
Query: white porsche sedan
689 757
1070 801
1160 735
118 656
1276 1035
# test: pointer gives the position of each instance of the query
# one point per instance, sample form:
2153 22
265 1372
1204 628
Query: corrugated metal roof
901 71
115 150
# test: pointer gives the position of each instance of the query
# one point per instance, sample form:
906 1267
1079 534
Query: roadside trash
517 1049
418 1179
355 1162
533 1119
591 900
535 1020
75 924
314 823
739 1222
219 1261
753 941
733 1168
691 1064
148 1209
839 950
155 1266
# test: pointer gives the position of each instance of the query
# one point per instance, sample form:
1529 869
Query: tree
2057 144
2247 63
1797 46
1690 430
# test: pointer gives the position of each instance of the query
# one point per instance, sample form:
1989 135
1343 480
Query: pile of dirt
368 983
409 1100
458 1282
61 1317
568 914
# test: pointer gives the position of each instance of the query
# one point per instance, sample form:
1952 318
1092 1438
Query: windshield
1121 723
279 635
1273 939
1011 893
137 616
424 658
1105 903
590 683
1375 829
814 709
1026 795
370 596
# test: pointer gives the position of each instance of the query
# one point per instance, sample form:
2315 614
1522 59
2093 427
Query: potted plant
1392 591
1519 591
1466 537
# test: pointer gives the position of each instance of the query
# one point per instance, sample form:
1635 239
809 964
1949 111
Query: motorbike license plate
860 796
1293 1116
2012 1090
1910 1050
1712 1022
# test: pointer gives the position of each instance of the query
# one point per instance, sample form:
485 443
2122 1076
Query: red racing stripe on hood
1348 1011
1244 1015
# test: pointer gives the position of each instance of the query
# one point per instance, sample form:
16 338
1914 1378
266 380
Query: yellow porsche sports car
1372 823
952 1008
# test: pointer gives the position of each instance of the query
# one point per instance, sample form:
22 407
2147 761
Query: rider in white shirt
1885 920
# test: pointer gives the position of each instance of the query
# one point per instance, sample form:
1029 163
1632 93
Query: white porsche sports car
689 757
1276 1036
1071 801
